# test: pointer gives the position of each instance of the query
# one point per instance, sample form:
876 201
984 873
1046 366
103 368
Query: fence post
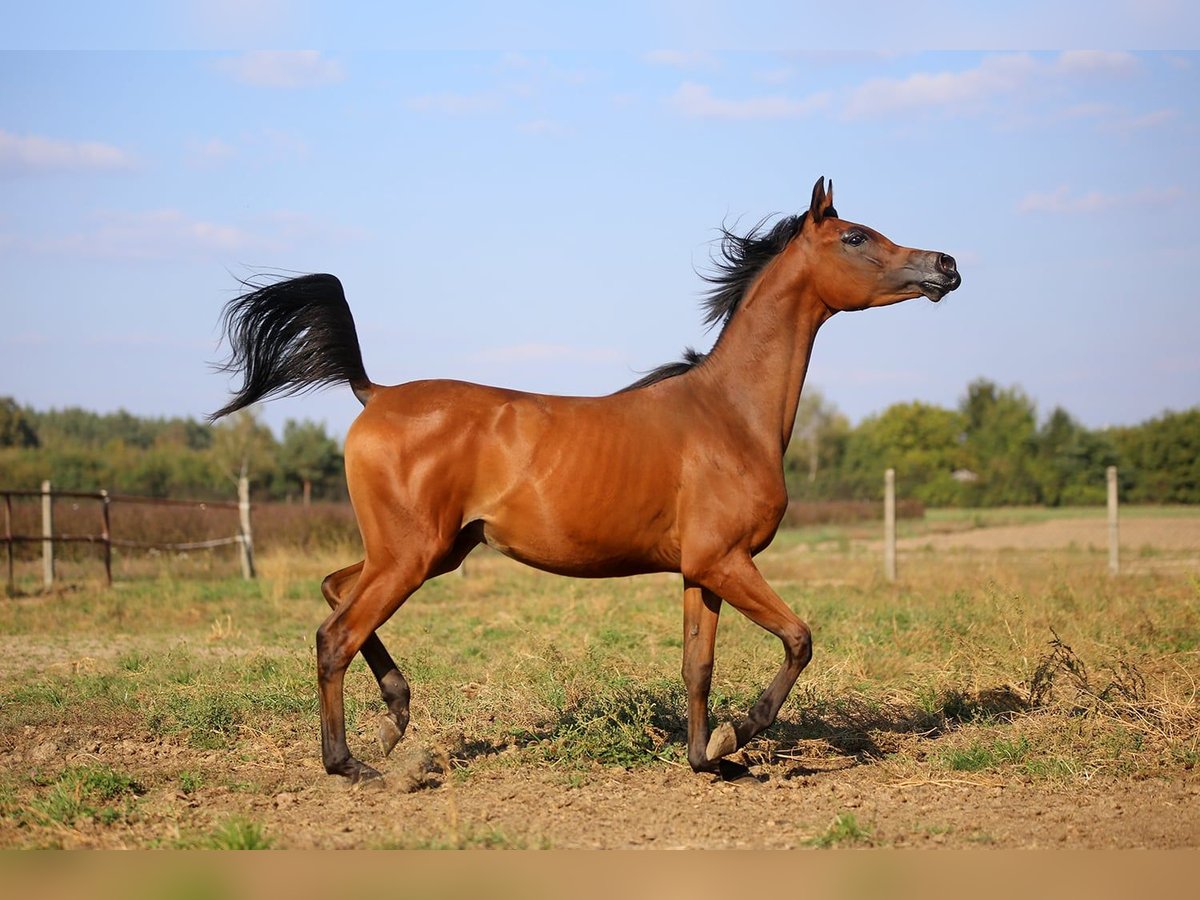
47 535
246 537
8 541
106 535
1114 542
889 524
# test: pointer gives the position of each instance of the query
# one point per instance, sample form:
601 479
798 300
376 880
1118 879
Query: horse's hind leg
392 684
376 594
700 611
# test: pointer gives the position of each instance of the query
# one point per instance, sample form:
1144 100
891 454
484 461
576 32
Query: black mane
740 259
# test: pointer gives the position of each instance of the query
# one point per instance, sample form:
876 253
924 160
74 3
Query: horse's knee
329 589
797 642
697 673
332 658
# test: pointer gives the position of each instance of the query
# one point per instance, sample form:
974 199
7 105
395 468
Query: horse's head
852 266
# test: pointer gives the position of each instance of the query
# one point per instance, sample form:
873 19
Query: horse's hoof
735 773
722 742
389 734
365 776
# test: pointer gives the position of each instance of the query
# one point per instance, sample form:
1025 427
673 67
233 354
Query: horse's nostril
946 264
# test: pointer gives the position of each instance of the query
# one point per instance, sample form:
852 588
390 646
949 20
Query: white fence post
1114 534
47 535
889 524
246 537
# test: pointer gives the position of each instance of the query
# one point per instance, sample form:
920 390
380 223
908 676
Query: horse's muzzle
942 280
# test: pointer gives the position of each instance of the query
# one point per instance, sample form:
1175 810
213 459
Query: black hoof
735 773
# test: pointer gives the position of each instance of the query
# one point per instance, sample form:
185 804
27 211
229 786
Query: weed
627 725
133 661
239 834
844 830
84 793
981 755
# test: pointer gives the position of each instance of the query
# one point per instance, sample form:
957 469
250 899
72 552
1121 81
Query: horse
680 472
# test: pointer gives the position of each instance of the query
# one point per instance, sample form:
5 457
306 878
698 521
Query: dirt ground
1175 536
789 803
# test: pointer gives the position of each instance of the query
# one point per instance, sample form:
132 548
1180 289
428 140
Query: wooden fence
889 524
48 538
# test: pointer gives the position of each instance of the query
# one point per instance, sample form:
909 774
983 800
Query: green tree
309 456
817 446
243 447
15 428
1160 459
1000 425
923 443
1070 461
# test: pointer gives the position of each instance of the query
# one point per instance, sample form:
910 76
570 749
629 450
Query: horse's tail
290 336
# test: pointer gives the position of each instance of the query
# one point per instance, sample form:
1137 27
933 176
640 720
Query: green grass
238 834
843 831
75 794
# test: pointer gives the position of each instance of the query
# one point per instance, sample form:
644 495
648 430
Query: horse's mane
739 260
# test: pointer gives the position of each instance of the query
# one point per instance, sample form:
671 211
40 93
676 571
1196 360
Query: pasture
1004 692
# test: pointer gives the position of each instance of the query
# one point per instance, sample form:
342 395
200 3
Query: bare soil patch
793 805
1172 535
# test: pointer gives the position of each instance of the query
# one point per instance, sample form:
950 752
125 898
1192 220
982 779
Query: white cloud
972 90
173 234
1061 201
156 234
32 153
697 100
1152 119
282 68
1116 62
965 90
210 153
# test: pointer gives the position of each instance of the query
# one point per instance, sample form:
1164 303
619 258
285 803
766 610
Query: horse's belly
585 552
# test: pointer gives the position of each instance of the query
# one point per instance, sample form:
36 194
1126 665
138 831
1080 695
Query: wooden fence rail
48 538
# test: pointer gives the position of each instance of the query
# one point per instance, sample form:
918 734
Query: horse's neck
762 356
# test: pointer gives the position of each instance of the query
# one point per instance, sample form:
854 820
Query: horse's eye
854 238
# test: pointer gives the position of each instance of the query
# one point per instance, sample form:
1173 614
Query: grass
843 831
95 793
974 666
238 834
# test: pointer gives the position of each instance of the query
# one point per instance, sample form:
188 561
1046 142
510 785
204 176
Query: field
1005 692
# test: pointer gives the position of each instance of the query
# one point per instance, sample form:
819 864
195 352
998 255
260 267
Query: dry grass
976 668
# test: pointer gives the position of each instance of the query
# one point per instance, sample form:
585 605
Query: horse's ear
822 201
817 207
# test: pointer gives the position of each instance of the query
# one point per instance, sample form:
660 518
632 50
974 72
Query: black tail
290 336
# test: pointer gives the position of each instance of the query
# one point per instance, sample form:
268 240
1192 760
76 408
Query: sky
530 205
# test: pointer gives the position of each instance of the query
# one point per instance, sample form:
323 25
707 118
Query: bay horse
680 472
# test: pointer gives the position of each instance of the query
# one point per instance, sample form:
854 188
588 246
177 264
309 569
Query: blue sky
510 208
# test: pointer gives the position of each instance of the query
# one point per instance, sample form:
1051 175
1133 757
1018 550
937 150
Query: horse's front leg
738 581
700 611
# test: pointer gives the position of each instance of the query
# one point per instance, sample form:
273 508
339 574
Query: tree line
81 450
991 450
